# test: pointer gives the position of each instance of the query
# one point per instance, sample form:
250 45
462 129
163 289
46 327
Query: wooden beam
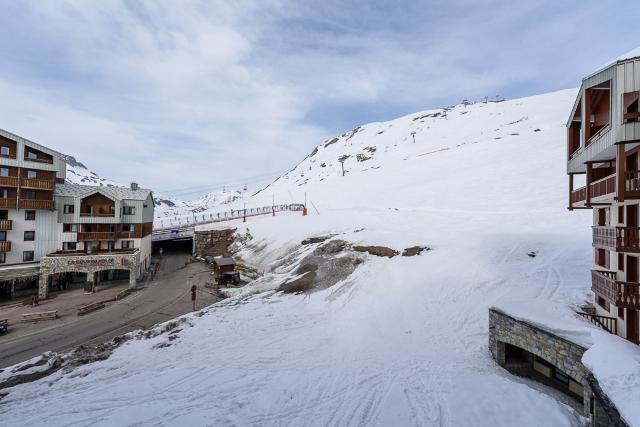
621 168
570 190
588 187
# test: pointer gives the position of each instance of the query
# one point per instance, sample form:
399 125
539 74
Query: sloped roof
222 261
634 53
17 138
116 193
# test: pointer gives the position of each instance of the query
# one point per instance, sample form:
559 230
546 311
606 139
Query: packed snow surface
401 341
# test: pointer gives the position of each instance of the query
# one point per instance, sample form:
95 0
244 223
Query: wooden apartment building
603 147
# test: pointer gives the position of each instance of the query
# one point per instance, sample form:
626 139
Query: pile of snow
402 340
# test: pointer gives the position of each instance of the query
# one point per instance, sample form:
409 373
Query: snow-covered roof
222 261
117 193
634 53
17 138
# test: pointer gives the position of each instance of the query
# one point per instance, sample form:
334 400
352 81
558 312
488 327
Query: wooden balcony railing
130 234
8 203
609 324
100 215
38 184
8 181
39 160
620 294
92 236
603 187
630 117
6 224
579 195
36 204
5 246
604 237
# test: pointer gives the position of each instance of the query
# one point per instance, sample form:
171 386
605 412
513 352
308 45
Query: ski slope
401 341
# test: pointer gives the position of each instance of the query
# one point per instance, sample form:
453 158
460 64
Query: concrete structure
531 351
603 147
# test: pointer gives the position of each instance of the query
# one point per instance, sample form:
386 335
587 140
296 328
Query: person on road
161 252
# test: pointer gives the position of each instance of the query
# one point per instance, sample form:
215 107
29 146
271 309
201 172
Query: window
630 107
32 174
69 228
4 214
128 210
4 151
29 236
4 171
621 312
27 256
3 236
620 214
69 209
32 155
128 227
3 257
69 246
602 303
621 262
30 215
127 244
29 194
3 193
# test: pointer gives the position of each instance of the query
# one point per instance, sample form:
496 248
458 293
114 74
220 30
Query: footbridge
183 227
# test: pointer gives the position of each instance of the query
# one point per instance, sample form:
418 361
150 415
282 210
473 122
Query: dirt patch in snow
382 251
415 250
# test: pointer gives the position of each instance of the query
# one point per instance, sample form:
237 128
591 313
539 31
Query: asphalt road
167 297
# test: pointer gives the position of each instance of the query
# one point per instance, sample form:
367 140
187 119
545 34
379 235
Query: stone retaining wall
213 242
563 354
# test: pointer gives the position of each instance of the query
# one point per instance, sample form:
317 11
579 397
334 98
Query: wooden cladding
618 293
8 203
5 246
38 184
35 204
96 236
6 224
579 195
618 239
603 187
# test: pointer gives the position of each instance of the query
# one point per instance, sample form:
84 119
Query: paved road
166 297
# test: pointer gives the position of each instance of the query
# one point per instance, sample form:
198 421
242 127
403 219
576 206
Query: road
167 297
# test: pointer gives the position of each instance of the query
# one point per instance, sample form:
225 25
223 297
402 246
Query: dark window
27 256
29 194
32 155
69 209
29 236
4 214
3 257
621 312
620 214
30 215
3 236
630 107
603 303
621 262
4 151
69 228
32 174
69 246
3 193
128 210
4 171
127 244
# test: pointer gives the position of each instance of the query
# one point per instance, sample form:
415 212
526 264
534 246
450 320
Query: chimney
134 186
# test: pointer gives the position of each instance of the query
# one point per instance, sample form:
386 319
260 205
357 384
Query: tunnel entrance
178 246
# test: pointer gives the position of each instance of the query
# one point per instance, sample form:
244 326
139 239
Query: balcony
37 184
36 204
5 246
620 294
8 181
94 236
617 239
130 234
98 215
604 188
6 224
8 203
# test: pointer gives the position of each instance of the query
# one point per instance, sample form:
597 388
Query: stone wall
563 354
213 242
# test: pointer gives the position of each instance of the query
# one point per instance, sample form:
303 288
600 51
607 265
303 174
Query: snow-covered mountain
371 340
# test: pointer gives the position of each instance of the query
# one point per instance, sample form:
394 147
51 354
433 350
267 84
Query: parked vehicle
229 278
4 326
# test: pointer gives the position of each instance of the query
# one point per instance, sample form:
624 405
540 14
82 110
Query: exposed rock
333 141
318 239
331 247
377 250
362 157
415 250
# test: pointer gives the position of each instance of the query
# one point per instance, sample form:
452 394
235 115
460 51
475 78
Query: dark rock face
214 242
318 239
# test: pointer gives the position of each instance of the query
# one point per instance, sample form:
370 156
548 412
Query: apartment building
603 146
50 230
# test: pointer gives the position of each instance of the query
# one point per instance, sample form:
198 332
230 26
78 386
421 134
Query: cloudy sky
187 96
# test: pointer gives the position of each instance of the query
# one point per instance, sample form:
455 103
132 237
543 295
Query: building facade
603 146
49 229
